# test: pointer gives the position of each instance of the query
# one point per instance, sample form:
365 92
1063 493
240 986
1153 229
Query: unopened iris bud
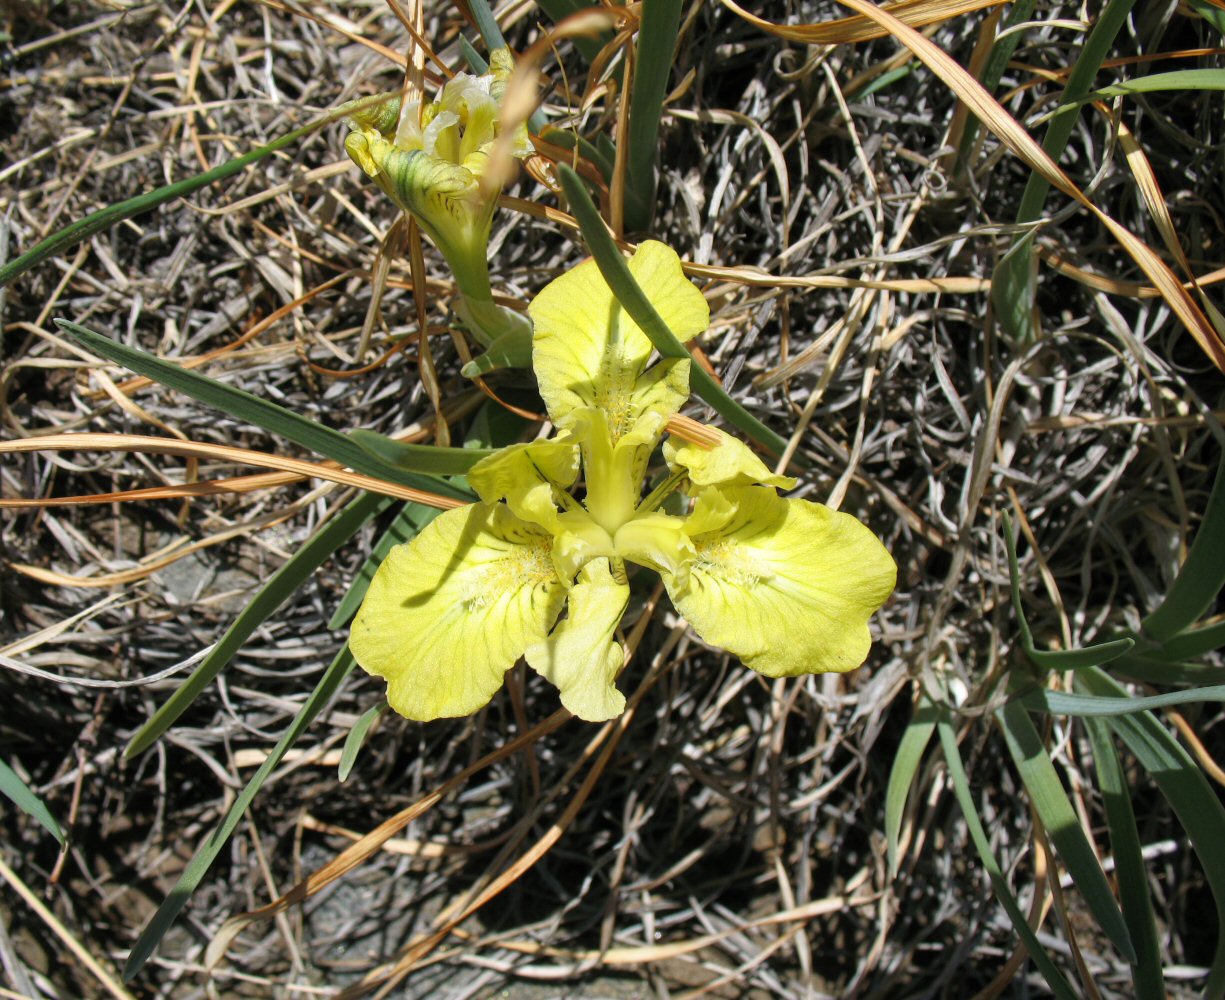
432 161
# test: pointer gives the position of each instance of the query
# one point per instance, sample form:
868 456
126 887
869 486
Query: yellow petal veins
588 352
786 585
448 613
582 656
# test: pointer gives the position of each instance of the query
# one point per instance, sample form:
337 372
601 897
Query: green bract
786 585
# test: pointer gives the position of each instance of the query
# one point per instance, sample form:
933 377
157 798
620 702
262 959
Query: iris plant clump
786 584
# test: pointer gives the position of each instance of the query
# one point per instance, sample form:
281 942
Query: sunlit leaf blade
902 775
411 519
1184 786
1181 79
20 794
1059 703
243 405
1202 574
94 223
208 850
961 789
1011 283
355 739
616 272
1050 802
656 47
283 583
428 459
1130 872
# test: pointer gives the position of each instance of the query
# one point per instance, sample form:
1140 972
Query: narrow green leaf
283 583
634 301
1078 659
1184 786
1193 642
1047 659
21 795
428 459
355 739
961 789
94 223
208 850
1152 670
567 139
1210 13
901 776
1050 802
1181 79
559 10
1019 12
243 405
411 519
1130 871
1059 703
1010 284
1202 574
656 49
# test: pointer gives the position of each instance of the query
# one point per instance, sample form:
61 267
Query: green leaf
656 49
1210 13
1154 670
1050 802
617 273
244 406
1181 79
429 459
567 139
208 850
94 223
1019 12
1058 703
1184 786
20 794
1191 643
961 789
1130 871
494 39
1046 659
558 10
1202 574
1010 285
280 586
901 776
355 739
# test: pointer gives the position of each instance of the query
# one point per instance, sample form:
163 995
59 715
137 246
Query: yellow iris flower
787 585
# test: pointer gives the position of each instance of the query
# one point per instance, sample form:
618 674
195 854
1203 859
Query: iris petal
582 656
786 585
587 352
448 613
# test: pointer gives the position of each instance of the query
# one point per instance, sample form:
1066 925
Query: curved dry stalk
226 453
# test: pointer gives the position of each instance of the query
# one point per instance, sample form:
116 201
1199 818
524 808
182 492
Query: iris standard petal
448 613
786 585
582 656
586 349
